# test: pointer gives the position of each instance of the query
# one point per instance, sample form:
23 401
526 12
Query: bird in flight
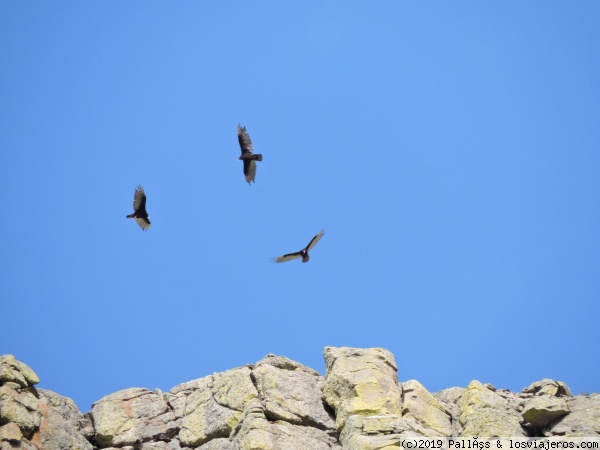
139 209
302 253
247 156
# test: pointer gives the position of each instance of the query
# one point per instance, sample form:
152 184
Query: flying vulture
139 209
302 253
248 157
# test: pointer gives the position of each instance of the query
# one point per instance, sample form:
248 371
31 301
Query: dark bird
302 253
139 209
247 156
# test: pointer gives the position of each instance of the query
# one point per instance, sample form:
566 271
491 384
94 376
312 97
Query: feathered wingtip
258 157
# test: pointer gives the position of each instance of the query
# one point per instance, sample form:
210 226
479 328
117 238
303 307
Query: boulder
361 381
541 410
10 433
484 413
15 371
548 386
130 415
291 392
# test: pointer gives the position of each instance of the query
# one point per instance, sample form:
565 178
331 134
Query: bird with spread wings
302 253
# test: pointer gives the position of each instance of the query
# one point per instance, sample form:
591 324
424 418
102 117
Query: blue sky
451 151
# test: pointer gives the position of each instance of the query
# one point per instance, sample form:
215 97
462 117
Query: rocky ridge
280 404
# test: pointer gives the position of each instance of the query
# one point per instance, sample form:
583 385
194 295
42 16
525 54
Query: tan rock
426 409
16 371
484 413
10 432
361 381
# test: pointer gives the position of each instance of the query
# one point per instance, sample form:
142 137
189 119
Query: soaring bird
302 253
139 209
247 156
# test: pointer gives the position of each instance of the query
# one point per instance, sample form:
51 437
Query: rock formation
280 404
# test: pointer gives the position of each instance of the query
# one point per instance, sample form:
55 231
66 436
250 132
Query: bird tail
131 216
258 157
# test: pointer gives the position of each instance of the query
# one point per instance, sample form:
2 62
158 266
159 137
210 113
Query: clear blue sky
451 150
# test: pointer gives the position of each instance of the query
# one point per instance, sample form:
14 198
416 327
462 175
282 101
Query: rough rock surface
361 381
485 413
425 408
280 404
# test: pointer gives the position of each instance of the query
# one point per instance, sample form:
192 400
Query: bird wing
314 240
288 257
139 199
143 222
245 142
250 170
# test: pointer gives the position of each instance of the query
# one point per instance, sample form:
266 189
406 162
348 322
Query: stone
10 432
216 444
280 404
426 409
211 407
583 419
541 410
12 370
484 413
548 386
20 407
379 432
361 381
257 433
291 392
130 415
450 398
59 425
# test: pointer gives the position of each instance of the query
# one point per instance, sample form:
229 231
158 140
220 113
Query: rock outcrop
280 404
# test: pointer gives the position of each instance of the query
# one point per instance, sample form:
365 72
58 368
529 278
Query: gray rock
216 444
291 392
583 420
541 410
450 398
20 407
379 432
548 386
60 424
211 407
256 432
132 414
